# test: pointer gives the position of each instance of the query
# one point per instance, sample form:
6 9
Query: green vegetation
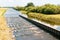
23 12
48 13
19 8
30 4
51 19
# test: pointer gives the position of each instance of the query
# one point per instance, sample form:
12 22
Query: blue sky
4 3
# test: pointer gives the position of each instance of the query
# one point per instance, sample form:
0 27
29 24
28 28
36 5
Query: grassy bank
53 19
23 12
5 31
49 13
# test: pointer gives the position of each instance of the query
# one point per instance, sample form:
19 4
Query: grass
51 19
5 31
24 12
2 11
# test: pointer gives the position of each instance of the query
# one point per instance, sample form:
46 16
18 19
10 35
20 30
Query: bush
48 9
45 9
30 4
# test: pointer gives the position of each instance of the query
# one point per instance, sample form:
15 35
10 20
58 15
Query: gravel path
24 30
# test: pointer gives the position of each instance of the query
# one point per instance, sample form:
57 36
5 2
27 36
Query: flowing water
24 30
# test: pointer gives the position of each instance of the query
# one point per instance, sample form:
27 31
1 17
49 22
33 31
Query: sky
13 3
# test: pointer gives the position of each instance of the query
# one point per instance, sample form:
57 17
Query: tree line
45 9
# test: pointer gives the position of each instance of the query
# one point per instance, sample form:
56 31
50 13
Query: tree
30 4
49 9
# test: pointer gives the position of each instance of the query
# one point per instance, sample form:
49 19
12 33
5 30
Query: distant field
2 11
51 19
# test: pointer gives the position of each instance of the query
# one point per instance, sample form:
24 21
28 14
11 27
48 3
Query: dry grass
2 11
51 19
5 31
24 12
55 16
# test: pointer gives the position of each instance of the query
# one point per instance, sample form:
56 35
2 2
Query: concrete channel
23 29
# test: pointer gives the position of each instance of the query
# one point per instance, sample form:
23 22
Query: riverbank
5 31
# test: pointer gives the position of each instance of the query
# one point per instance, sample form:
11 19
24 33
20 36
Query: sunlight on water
11 13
